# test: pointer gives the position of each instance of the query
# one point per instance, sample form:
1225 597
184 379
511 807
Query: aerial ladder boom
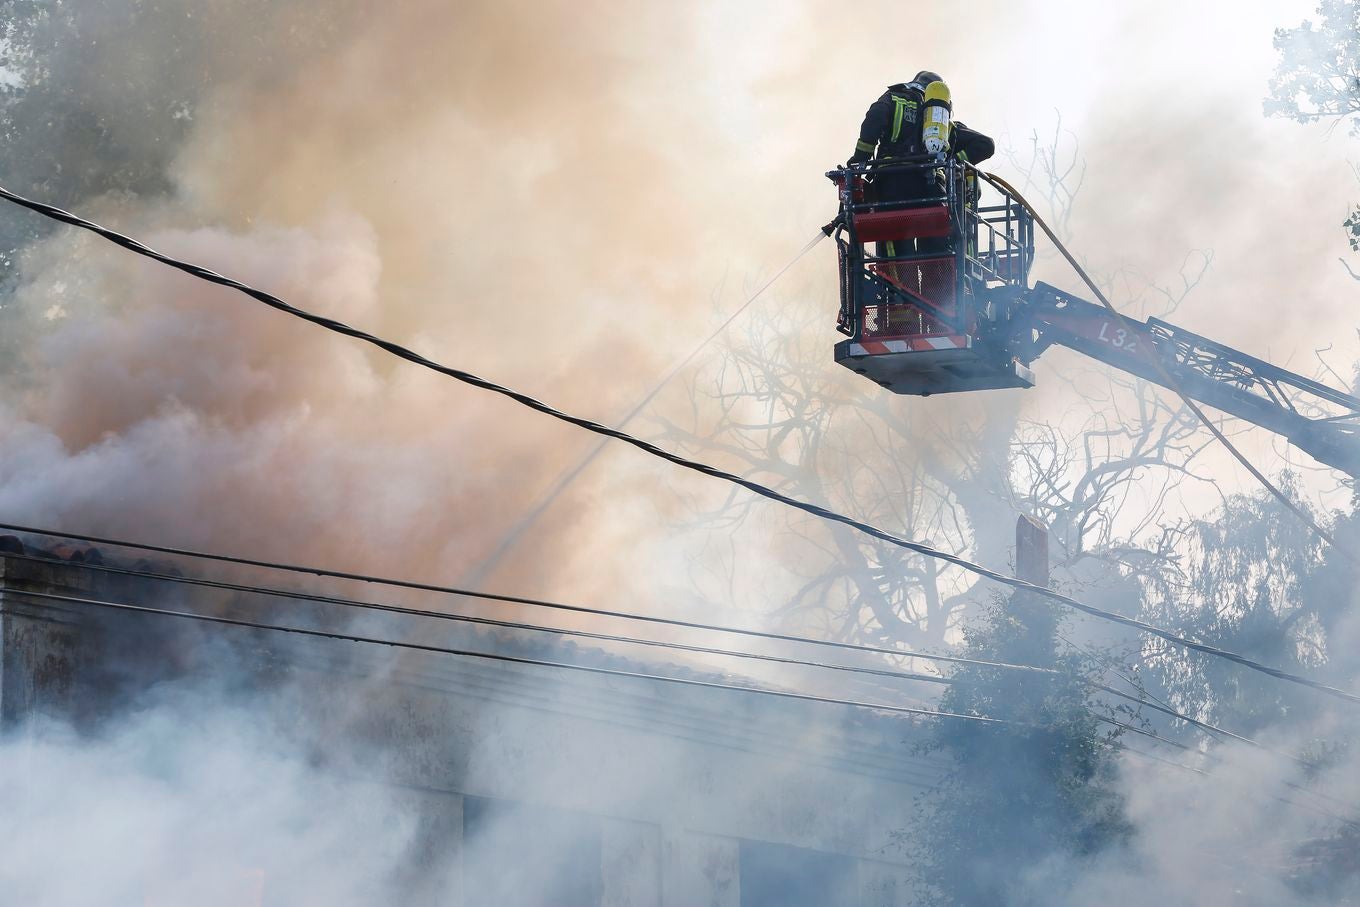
1320 420
946 306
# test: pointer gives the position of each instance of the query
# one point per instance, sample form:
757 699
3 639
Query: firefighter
973 147
909 119
915 118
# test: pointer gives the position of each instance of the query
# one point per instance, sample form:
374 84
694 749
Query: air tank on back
936 122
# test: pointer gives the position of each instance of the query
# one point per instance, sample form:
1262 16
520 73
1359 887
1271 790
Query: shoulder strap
905 107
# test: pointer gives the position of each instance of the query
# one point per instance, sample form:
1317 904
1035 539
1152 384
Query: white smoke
548 195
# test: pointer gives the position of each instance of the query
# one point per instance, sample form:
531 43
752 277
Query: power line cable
502 657
607 637
698 723
612 672
497 597
499 622
543 603
1157 704
649 448
539 662
630 707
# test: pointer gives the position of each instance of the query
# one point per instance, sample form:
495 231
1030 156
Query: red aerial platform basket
913 307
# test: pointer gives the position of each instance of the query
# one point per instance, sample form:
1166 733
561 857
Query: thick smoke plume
562 197
465 179
170 808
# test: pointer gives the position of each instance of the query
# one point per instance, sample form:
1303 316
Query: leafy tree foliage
85 111
1318 76
1247 581
98 96
1250 580
1025 799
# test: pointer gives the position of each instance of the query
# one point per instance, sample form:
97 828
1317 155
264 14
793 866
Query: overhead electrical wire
911 712
499 656
706 650
501 623
570 666
495 596
698 723
523 399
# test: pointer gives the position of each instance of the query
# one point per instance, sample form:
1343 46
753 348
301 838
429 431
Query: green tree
1249 581
1318 78
1026 800
1318 75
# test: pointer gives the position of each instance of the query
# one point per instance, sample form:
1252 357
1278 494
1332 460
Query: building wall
39 642
665 788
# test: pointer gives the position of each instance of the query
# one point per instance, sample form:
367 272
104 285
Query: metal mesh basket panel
892 301
888 319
